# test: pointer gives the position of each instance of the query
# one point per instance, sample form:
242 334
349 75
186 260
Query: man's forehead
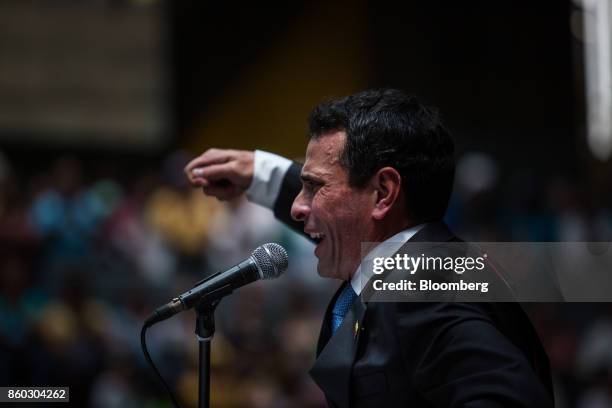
325 150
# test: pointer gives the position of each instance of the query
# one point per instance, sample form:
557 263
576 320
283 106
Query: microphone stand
205 299
205 330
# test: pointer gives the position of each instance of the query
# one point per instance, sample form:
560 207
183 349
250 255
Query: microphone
268 261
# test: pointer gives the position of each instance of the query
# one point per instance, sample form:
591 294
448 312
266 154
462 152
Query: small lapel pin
356 329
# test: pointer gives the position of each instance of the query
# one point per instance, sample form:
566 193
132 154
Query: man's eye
311 185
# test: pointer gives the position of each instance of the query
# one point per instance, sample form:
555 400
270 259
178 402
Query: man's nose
300 210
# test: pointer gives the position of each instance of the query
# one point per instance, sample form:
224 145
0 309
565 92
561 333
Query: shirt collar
391 245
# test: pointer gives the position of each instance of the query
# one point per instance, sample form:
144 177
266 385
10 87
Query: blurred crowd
88 251
85 259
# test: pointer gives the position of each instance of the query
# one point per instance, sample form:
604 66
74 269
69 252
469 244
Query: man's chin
328 272
324 272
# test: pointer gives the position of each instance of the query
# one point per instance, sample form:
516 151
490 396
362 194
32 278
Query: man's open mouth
317 237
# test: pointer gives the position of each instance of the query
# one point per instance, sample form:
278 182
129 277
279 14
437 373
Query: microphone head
271 260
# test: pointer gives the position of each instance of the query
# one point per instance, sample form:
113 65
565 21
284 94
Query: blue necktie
343 304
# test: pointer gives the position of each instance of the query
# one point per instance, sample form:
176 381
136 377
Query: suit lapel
336 354
326 333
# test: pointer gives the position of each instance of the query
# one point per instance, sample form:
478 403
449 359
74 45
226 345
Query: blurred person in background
379 166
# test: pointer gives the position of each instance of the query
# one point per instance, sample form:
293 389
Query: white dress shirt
268 173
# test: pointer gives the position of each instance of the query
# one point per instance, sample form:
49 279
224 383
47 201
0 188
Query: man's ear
387 183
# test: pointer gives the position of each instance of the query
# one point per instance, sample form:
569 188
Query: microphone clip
205 319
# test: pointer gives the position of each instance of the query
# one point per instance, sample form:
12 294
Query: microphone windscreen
271 260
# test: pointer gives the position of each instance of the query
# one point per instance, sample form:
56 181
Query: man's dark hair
389 128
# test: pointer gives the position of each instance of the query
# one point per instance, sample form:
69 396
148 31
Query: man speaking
379 168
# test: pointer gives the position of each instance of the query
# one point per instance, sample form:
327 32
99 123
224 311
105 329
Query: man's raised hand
222 173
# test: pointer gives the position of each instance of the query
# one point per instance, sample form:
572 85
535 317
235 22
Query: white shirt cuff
268 173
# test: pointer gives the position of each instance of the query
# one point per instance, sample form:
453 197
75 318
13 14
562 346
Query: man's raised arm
267 179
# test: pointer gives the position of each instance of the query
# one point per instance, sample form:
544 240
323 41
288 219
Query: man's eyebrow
308 177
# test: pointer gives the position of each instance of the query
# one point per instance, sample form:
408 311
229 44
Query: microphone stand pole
205 329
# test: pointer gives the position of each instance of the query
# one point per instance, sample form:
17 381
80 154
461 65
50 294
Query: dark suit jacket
424 354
